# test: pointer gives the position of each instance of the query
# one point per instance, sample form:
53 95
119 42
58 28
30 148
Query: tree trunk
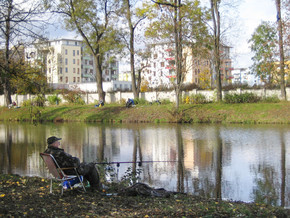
7 92
132 51
178 50
6 73
217 61
281 50
99 78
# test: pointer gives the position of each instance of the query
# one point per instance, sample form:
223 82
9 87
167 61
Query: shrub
165 101
27 103
241 98
39 101
271 99
54 100
73 97
123 101
195 99
140 101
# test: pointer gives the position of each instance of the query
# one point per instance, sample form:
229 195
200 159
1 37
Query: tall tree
214 7
173 23
95 22
133 18
263 44
281 51
19 21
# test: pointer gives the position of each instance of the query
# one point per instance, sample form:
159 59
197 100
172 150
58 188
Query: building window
66 79
74 53
78 52
66 61
74 61
66 70
74 70
65 51
74 80
60 79
78 70
78 61
76 43
60 70
78 79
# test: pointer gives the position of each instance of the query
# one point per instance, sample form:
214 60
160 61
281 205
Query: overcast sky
250 14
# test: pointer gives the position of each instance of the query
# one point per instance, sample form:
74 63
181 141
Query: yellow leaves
42 180
2 195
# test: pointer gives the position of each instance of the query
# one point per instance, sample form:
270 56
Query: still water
238 162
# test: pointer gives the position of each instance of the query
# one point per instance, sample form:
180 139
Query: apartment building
160 68
67 61
201 71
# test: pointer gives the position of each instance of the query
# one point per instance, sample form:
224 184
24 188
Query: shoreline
251 113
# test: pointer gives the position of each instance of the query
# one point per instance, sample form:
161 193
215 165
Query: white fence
92 98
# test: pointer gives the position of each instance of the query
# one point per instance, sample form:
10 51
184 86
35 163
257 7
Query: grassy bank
188 113
29 196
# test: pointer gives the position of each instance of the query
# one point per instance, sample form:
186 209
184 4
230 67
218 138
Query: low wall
92 98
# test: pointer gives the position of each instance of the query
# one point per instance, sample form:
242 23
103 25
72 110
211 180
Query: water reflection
239 162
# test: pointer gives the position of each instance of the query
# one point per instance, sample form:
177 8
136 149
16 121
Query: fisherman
130 103
88 170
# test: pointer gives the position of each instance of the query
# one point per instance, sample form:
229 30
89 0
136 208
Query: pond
248 163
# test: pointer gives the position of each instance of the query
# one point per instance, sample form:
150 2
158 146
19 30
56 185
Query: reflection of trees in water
268 187
209 162
6 150
136 148
283 168
180 162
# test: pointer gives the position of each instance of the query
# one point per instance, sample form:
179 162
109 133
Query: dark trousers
91 174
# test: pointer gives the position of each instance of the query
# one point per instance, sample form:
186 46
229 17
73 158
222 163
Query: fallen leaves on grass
29 196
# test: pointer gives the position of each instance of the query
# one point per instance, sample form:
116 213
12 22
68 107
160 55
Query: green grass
187 113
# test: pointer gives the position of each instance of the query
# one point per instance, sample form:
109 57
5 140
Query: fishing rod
139 162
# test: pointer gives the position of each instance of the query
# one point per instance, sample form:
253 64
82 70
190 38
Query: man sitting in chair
88 170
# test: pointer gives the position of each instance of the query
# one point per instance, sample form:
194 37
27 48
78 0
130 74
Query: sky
250 13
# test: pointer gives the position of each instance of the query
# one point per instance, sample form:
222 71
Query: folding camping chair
57 172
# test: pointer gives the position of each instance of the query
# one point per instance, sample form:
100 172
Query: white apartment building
68 62
160 68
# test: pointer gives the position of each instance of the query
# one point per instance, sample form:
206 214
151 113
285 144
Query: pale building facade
160 68
67 61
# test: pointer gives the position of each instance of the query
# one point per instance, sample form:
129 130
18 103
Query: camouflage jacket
63 159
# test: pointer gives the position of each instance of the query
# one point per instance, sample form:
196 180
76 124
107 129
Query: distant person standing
88 170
